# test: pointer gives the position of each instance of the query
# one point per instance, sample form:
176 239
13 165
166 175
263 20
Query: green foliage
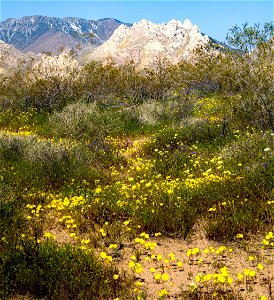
91 122
55 272
111 151
157 113
248 38
32 90
251 159
45 164
12 222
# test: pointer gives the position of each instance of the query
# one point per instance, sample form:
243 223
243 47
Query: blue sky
213 17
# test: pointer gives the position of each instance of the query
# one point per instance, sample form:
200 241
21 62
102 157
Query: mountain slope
48 34
146 42
11 58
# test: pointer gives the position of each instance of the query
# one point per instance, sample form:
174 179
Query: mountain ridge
142 42
50 34
145 42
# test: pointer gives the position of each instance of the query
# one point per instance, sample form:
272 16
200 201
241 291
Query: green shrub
44 88
56 272
192 131
92 122
12 222
45 164
251 159
157 113
251 156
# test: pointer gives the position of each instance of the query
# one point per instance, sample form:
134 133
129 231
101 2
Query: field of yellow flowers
177 211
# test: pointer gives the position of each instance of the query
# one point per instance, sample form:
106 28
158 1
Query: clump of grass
12 221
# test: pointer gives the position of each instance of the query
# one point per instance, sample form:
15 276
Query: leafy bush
251 156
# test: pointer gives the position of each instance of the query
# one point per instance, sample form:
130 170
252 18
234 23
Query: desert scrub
113 157
93 122
158 112
177 148
251 156
124 84
190 131
57 272
44 163
46 85
12 219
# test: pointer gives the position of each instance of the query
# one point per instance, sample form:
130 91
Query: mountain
48 34
145 42
11 58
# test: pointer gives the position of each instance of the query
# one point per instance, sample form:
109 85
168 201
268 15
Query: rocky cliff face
145 42
46 34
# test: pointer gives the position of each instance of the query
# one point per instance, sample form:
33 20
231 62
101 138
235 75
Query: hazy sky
213 17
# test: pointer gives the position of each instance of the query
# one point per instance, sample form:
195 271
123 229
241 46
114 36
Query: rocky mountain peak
187 24
146 42
144 24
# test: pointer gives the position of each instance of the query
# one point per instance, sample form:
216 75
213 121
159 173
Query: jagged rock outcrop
145 42
47 34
